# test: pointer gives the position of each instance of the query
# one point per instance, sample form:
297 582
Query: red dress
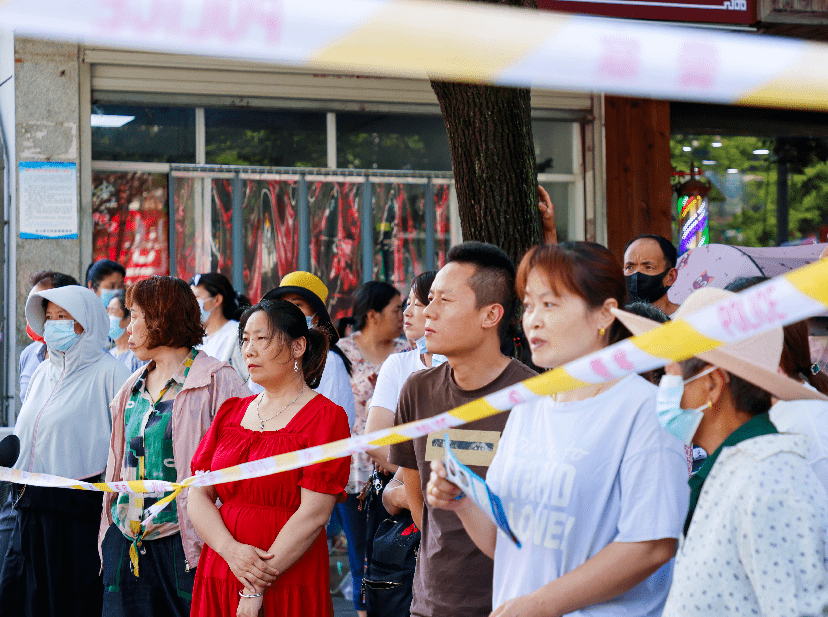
254 511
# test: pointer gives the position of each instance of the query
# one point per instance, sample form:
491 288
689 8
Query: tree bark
493 155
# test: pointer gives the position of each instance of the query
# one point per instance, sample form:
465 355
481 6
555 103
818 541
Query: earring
602 331
296 365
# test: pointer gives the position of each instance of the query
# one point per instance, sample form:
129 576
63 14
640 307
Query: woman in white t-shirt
220 308
591 484
398 366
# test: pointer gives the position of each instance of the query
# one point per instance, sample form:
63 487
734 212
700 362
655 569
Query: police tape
780 301
462 41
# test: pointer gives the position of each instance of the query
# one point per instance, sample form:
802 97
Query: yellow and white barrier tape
452 40
783 300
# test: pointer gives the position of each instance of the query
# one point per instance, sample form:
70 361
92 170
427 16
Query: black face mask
647 287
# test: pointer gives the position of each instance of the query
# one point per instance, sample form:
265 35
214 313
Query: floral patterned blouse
363 380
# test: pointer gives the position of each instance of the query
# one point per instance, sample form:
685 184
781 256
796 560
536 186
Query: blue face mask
310 321
679 422
205 315
115 329
107 295
438 359
59 334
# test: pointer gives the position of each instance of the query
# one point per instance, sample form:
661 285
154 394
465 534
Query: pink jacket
209 383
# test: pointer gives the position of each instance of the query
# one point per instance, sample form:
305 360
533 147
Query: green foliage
743 204
266 147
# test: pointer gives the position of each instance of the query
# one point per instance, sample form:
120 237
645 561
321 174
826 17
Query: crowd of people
697 489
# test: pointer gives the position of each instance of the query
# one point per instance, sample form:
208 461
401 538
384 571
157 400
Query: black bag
389 578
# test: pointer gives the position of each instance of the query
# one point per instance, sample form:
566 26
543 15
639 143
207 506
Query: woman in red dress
266 548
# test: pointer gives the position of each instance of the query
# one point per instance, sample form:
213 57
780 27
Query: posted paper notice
48 200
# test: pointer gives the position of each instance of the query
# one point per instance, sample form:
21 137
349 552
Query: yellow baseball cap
312 289
305 280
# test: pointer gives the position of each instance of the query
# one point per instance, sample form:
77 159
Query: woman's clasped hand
250 565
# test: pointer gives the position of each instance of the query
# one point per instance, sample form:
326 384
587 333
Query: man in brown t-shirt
470 304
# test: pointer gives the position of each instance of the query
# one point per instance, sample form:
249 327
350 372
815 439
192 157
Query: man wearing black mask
650 270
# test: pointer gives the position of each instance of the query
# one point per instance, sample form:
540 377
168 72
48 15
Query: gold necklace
261 421
597 392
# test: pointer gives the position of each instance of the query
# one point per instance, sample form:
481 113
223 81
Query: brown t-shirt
453 577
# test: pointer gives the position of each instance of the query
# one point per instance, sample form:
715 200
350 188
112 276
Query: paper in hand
476 489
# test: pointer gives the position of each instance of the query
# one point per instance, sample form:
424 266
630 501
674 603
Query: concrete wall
47 86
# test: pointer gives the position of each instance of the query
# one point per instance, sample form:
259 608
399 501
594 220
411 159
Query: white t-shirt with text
575 477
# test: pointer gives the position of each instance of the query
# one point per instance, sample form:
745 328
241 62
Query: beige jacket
209 383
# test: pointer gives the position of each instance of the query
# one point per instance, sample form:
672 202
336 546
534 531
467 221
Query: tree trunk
493 155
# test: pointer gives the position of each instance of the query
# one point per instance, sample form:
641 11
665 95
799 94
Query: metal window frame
582 209
367 177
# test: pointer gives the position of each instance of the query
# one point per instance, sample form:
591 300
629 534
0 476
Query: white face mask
421 345
679 422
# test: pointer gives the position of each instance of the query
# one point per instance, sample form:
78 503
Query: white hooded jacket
65 423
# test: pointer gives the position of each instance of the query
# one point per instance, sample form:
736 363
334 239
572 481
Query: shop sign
737 12
693 212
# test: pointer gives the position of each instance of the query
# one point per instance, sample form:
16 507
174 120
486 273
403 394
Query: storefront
189 164
273 170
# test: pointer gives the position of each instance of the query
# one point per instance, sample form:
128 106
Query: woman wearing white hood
52 563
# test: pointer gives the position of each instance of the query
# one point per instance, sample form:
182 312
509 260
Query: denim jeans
355 525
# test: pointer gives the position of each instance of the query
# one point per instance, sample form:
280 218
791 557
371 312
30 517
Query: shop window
743 175
399 234
270 241
336 240
271 236
392 141
203 225
129 214
266 138
147 134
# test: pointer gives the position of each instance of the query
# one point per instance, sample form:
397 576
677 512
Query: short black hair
747 397
667 248
52 279
645 309
494 281
372 296
743 282
214 283
421 285
99 270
